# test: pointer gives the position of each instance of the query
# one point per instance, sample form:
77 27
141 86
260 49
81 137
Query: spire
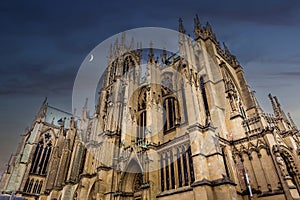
85 109
131 47
116 48
256 102
123 40
278 104
42 112
45 101
181 28
110 51
151 54
281 112
208 27
275 109
197 26
227 52
208 32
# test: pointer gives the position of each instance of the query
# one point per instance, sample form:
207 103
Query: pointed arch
128 64
132 176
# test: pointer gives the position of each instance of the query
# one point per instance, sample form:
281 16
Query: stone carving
280 162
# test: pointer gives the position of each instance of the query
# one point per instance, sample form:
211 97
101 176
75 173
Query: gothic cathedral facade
189 128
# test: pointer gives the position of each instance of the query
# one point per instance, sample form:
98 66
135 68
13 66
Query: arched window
169 113
41 156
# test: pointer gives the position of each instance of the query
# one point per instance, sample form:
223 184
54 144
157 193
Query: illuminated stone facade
189 128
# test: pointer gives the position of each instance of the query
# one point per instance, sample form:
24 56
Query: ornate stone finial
275 109
62 122
277 104
181 28
45 101
151 54
208 27
197 26
208 32
227 52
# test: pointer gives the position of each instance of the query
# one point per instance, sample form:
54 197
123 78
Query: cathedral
187 128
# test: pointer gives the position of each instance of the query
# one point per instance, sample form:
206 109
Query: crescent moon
91 58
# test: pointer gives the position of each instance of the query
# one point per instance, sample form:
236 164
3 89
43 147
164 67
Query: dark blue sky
44 42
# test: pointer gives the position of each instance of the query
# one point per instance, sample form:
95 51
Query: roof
56 116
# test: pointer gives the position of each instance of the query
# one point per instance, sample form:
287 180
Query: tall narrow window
167 173
45 164
162 178
185 169
142 125
169 113
179 168
191 165
37 156
172 170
